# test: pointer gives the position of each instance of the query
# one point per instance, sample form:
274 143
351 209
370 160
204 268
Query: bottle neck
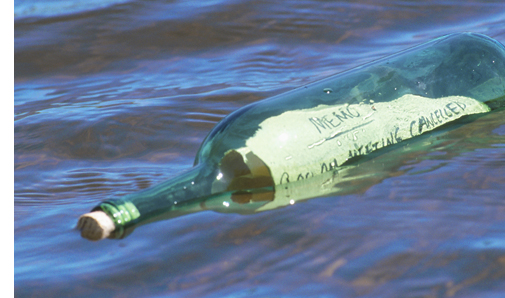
235 173
155 203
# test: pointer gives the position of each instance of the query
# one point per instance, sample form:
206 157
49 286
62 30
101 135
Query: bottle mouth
123 214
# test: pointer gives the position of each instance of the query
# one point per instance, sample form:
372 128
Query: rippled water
115 96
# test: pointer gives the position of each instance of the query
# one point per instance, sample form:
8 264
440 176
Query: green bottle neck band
124 215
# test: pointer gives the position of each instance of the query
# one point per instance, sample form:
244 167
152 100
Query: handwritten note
299 144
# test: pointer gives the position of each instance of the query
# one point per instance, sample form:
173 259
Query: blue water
111 97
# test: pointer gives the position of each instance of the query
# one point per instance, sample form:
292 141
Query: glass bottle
261 148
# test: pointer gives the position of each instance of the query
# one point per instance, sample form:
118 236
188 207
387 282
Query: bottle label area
308 142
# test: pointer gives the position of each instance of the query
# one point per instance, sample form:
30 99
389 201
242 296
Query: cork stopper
95 225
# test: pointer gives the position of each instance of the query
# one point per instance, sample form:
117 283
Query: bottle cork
95 225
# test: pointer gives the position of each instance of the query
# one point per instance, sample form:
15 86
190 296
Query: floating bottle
254 154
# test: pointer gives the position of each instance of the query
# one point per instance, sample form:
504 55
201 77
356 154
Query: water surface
115 96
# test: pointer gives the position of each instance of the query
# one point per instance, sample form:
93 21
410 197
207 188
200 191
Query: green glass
252 157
